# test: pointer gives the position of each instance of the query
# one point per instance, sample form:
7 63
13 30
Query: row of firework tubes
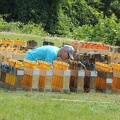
18 42
39 64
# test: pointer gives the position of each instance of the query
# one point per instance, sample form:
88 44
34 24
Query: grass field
23 105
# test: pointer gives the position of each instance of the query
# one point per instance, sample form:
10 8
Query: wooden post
73 80
91 80
116 82
48 74
18 74
64 81
13 83
80 81
108 81
93 77
33 77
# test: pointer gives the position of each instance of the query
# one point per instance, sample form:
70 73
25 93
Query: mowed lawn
26 105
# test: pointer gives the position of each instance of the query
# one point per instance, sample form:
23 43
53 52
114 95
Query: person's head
66 52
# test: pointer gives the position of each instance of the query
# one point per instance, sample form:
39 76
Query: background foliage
91 20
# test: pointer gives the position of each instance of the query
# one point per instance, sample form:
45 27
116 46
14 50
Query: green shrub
18 27
32 28
8 27
106 31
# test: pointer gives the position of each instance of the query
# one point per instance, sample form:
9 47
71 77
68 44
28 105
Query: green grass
23 105
56 40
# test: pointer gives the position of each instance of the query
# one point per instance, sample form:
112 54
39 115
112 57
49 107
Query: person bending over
50 53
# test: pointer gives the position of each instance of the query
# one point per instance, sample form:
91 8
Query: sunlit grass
23 105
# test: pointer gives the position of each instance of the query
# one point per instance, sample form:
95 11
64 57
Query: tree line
92 20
